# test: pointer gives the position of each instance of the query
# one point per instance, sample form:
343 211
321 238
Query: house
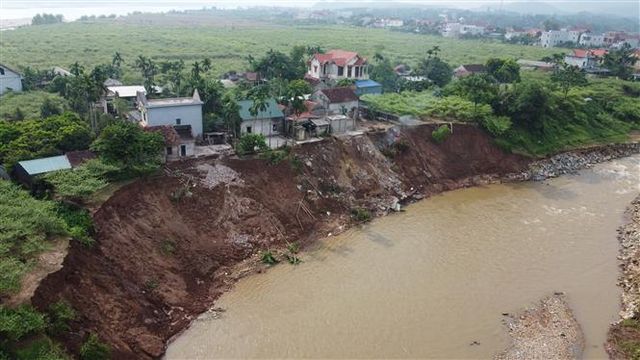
585 59
469 69
10 80
364 87
129 93
26 171
301 126
340 124
171 111
178 140
589 40
268 122
554 38
336 65
340 100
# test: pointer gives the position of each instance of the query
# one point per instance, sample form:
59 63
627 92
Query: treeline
44 19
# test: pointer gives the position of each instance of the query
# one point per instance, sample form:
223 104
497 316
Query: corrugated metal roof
272 110
45 165
367 83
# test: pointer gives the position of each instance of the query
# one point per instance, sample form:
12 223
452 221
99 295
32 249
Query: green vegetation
268 258
94 349
441 134
30 104
250 143
228 47
17 323
361 214
405 103
81 182
60 314
29 139
126 145
79 223
26 226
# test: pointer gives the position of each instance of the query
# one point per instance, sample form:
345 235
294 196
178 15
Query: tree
48 108
568 76
620 61
382 72
504 70
529 105
295 95
259 96
250 142
476 88
117 59
434 68
206 64
127 145
173 70
46 19
276 64
231 113
148 70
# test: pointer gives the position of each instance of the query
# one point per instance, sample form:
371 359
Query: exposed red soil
159 261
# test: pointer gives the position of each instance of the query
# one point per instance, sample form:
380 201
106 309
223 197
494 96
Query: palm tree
206 64
117 59
259 96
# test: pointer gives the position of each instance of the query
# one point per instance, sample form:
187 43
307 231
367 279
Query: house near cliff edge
174 112
268 122
27 171
338 101
179 142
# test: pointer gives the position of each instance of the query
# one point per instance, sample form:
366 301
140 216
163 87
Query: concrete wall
262 126
10 80
175 151
337 107
167 115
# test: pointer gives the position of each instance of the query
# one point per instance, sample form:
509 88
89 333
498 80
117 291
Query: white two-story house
9 80
172 111
336 65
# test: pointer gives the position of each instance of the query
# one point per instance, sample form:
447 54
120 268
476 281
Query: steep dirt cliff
168 245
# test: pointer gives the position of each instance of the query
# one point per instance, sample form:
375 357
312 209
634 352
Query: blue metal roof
45 165
272 111
366 83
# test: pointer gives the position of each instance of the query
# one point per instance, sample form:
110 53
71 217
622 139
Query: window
1 71
275 127
178 121
315 68
169 150
183 150
349 71
340 70
248 129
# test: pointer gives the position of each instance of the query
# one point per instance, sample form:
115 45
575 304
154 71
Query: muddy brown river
430 281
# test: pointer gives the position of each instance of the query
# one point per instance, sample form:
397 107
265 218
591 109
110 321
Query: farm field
227 44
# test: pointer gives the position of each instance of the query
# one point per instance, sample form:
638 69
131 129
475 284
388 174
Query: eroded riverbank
435 281
162 260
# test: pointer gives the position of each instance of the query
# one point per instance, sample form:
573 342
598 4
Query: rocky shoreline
623 340
547 331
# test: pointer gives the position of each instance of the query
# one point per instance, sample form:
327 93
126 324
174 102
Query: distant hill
619 8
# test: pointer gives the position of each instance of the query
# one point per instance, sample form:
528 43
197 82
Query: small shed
340 124
24 171
364 87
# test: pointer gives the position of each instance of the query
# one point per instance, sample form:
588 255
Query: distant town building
171 111
591 40
455 30
10 80
336 65
554 38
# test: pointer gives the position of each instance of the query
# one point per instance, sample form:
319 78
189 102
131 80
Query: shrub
250 143
60 314
25 226
17 323
497 125
127 145
83 181
274 157
441 134
268 258
361 214
296 164
79 223
41 348
94 349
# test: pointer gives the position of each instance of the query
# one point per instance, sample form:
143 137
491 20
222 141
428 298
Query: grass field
228 45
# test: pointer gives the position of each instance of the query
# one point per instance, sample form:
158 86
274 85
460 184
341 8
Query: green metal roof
273 111
45 165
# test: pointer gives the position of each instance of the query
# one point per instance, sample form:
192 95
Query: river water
428 282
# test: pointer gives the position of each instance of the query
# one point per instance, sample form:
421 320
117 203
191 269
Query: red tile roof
581 53
170 134
77 158
339 57
340 94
